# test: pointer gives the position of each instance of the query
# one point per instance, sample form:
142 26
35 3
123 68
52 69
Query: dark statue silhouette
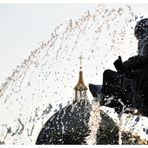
128 86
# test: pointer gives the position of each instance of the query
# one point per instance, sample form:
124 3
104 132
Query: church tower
80 88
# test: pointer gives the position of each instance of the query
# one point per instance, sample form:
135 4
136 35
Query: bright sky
23 26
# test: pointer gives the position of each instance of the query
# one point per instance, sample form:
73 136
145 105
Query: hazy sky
23 26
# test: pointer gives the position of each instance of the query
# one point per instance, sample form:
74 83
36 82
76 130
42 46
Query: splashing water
46 78
120 128
120 121
94 122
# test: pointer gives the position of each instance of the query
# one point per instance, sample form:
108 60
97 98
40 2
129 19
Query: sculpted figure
128 86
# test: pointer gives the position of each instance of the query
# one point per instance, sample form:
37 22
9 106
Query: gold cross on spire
81 61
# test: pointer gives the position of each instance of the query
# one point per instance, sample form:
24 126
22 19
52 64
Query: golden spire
80 88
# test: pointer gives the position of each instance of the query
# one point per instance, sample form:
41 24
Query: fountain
39 91
94 122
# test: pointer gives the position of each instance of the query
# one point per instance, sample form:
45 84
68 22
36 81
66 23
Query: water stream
94 122
45 79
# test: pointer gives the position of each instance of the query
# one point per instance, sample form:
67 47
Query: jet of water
94 121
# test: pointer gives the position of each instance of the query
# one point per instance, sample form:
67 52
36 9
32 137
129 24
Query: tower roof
80 85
